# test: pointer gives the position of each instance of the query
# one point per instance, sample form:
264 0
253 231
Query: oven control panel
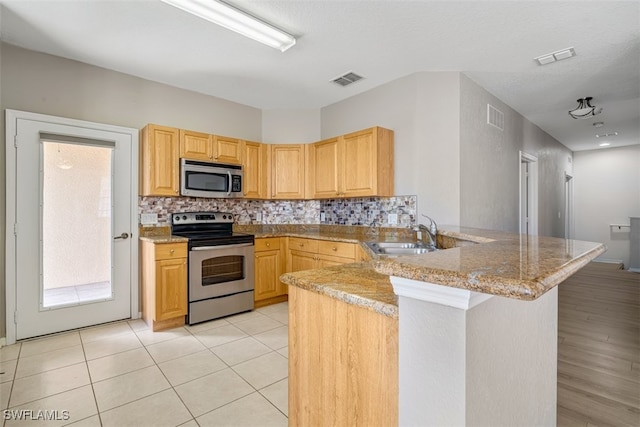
201 217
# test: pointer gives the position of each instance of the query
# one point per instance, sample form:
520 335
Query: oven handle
209 248
230 183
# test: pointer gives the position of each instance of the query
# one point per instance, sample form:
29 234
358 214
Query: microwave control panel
236 183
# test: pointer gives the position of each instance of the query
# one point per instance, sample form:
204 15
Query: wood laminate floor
599 348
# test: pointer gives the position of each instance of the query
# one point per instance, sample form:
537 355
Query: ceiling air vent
495 117
347 79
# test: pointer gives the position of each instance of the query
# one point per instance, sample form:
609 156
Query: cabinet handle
334 249
268 245
171 251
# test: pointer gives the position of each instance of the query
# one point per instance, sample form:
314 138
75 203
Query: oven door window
222 269
206 181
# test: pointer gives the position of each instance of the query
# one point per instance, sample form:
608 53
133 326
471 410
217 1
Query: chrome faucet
431 231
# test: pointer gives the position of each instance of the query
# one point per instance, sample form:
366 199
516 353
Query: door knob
123 236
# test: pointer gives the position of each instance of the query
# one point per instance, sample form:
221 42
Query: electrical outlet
323 217
149 219
259 216
392 218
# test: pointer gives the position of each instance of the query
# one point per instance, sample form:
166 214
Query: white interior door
73 232
528 193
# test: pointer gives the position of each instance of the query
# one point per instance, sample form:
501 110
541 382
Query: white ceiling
493 42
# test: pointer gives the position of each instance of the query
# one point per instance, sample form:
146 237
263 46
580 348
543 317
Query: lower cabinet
164 284
269 266
307 254
343 363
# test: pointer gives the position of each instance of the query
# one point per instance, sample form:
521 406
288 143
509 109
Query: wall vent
495 117
347 79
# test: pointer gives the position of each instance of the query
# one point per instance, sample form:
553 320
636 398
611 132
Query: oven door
216 271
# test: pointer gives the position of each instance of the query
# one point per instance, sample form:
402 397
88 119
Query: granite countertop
492 262
167 238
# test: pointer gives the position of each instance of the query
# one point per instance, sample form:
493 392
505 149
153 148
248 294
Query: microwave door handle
230 184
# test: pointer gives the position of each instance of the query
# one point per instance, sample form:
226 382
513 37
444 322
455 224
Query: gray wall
489 166
607 191
52 85
423 110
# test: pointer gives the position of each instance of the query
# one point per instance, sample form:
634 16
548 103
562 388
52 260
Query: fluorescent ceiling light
604 144
236 20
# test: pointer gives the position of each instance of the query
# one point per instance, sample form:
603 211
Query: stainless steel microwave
214 180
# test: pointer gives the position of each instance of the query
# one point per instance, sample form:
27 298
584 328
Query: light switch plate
259 216
149 219
323 216
392 218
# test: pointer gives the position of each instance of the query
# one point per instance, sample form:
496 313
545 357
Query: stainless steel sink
399 248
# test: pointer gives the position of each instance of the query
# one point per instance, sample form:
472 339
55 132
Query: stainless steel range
220 265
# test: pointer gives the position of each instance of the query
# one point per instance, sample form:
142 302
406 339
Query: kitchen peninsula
462 336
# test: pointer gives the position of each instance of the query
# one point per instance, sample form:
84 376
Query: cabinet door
255 168
323 164
328 261
160 149
196 145
299 260
171 288
227 150
361 162
287 171
268 269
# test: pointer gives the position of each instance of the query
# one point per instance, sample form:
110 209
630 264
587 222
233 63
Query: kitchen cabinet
287 171
210 148
307 254
343 363
255 166
164 284
269 266
353 165
196 145
159 161
323 165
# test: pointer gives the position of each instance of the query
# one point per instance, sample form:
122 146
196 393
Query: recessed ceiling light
604 144
558 55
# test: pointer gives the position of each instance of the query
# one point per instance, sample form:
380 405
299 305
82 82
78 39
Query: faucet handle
432 223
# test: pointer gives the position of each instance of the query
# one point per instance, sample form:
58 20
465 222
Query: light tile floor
227 372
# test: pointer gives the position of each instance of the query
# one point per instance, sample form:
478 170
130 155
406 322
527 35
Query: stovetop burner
207 229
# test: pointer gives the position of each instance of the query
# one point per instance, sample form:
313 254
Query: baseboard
609 261
3 342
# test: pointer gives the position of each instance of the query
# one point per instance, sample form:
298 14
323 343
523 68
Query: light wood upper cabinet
324 162
255 166
159 159
368 163
287 171
227 150
353 165
210 148
196 145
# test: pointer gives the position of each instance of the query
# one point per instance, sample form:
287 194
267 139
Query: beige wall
489 165
284 126
607 191
423 111
51 85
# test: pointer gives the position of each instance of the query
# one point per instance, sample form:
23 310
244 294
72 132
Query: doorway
528 193
71 217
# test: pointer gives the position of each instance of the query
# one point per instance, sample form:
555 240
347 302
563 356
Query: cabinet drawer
267 244
307 245
171 250
341 249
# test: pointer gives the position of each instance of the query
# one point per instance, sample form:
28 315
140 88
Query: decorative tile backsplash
368 211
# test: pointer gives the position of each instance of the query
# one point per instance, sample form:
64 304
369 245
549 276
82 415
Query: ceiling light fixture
604 144
604 135
236 20
558 55
584 110
598 124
